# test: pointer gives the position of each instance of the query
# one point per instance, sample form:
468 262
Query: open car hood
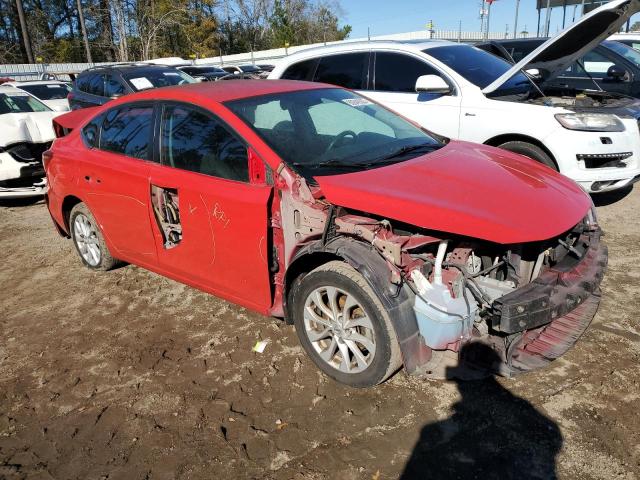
466 189
32 127
559 52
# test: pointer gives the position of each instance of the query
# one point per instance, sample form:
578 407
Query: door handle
467 114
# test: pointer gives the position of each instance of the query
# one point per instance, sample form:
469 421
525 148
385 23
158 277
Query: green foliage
125 30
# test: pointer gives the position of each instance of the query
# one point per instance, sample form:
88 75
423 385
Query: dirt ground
128 375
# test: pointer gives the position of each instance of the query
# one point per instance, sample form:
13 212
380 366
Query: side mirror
432 84
616 72
534 73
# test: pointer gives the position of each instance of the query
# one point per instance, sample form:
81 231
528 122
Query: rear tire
343 327
529 150
88 239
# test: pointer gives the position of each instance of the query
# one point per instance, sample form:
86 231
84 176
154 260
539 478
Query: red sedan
385 245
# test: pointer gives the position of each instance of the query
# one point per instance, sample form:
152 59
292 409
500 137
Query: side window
113 87
595 64
91 132
127 131
193 140
396 72
96 85
300 71
345 70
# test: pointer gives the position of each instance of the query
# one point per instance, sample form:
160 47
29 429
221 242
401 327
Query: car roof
412 45
19 84
222 91
126 67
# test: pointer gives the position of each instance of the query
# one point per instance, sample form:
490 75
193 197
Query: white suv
462 92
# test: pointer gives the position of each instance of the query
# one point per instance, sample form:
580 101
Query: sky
395 16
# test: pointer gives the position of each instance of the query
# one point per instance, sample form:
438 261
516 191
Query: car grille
28 152
604 160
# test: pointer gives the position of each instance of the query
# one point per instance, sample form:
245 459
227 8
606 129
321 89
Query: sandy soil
127 375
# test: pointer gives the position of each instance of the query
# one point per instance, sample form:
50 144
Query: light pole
515 22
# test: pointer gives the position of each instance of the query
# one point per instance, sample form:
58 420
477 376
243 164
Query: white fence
26 71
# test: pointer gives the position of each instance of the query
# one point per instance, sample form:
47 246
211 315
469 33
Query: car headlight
590 122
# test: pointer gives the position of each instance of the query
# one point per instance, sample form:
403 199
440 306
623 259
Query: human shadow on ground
492 434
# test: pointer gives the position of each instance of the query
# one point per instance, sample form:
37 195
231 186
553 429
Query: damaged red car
385 245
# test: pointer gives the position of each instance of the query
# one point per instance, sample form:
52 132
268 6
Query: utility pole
482 19
84 32
547 22
25 33
489 2
515 22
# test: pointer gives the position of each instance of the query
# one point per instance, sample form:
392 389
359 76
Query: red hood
466 189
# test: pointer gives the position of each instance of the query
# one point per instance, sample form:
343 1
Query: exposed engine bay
581 99
464 290
166 207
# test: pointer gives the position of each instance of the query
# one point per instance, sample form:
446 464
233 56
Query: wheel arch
68 203
398 300
518 137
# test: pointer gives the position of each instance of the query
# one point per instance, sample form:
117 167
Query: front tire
343 327
88 239
529 150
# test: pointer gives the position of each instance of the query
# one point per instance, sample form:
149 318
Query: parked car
248 71
207 73
632 39
383 244
52 93
97 86
610 66
460 91
27 131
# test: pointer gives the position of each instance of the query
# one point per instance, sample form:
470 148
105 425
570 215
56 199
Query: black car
611 66
207 73
96 86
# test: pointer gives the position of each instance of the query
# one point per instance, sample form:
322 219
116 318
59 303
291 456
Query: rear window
145 79
51 91
127 131
301 71
20 102
346 70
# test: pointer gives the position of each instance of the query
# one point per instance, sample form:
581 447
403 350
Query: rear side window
96 85
194 140
301 71
396 72
346 70
127 131
82 83
91 132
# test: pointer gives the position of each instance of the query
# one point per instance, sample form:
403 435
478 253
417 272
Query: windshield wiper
404 150
333 162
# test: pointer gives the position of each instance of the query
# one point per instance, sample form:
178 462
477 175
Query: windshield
201 70
626 51
50 91
145 79
20 102
330 131
480 68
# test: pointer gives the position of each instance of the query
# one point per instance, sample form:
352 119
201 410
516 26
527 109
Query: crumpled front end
21 170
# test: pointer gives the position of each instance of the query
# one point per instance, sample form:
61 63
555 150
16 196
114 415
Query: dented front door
209 220
212 232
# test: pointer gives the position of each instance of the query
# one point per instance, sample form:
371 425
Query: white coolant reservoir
442 319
